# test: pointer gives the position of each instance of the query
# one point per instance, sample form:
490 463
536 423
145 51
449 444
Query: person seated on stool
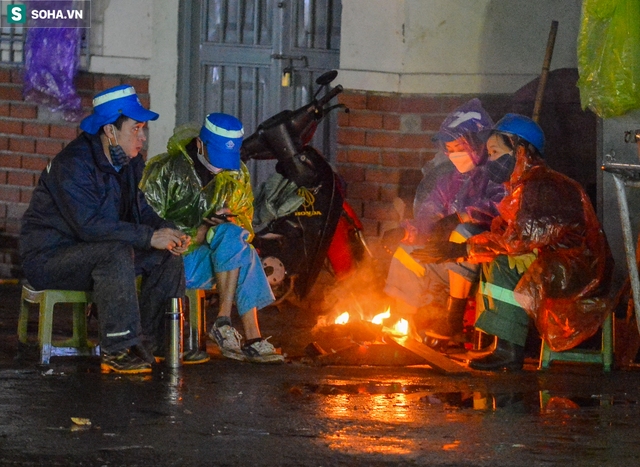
88 227
216 201
545 257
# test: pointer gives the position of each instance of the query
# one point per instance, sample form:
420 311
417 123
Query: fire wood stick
545 71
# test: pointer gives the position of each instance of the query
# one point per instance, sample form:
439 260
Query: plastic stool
46 300
197 320
604 356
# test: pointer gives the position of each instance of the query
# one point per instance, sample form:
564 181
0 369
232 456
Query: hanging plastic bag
609 56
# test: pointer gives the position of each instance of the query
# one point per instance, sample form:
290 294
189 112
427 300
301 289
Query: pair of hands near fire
438 249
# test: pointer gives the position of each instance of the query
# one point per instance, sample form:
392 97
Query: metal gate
254 58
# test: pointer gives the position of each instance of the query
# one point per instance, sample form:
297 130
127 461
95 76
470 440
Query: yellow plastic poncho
173 189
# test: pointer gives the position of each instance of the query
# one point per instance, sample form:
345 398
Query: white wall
452 46
140 38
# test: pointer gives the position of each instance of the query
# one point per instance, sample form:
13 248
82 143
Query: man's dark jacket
80 197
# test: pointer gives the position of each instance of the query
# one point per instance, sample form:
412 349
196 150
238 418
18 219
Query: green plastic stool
196 340
46 300
604 356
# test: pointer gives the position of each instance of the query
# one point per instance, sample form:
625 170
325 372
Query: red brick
401 159
351 173
84 81
415 141
45 146
35 129
23 110
3 211
432 122
371 227
450 103
343 120
390 122
34 162
11 93
25 195
380 139
342 155
64 132
87 102
21 145
363 156
425 105
364 190
141 85
382 211
352 137
353 100
4 109
21 178
9 194
388 192
17 76
3 176
4 143
12 127
104 82
10 160
5 75
373 174
145 101
385 103
365 120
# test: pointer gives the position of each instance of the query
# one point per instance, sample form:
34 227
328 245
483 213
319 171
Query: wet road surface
235 414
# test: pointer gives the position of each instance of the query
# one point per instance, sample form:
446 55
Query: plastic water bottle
173 332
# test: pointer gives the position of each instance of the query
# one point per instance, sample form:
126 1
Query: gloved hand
440 252
442 229
522 262
392 238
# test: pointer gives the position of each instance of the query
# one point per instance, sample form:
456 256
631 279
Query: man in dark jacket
88 227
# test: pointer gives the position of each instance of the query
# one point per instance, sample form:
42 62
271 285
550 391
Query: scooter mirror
326 78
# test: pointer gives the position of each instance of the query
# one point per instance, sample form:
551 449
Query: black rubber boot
456 309
506 356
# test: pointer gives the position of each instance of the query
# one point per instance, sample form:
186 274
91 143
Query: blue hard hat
222 134
110 104
523 127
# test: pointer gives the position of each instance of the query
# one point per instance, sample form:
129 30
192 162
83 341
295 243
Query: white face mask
462 161
205 162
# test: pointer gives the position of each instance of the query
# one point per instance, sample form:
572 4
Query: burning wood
382 340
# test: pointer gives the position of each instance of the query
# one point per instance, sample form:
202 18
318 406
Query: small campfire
382 340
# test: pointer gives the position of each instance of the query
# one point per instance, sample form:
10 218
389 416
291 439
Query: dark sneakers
124 362
194 357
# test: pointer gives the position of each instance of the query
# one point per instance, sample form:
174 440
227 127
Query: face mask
206 163
118 156
501 169
462 161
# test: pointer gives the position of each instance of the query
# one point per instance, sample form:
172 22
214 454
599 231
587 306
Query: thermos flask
173 321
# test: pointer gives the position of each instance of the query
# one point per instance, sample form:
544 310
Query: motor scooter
301 217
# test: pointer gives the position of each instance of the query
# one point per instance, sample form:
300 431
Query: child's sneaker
228 340
194 357
262 352
123 362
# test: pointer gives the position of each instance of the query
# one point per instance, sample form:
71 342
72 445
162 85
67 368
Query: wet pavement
235 414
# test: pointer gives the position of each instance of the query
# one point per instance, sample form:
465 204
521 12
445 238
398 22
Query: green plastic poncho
173 189
609 56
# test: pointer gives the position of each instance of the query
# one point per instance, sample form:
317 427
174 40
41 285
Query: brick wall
383 143
30 135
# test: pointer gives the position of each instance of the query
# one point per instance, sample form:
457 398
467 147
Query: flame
343 318
379 318
401 327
